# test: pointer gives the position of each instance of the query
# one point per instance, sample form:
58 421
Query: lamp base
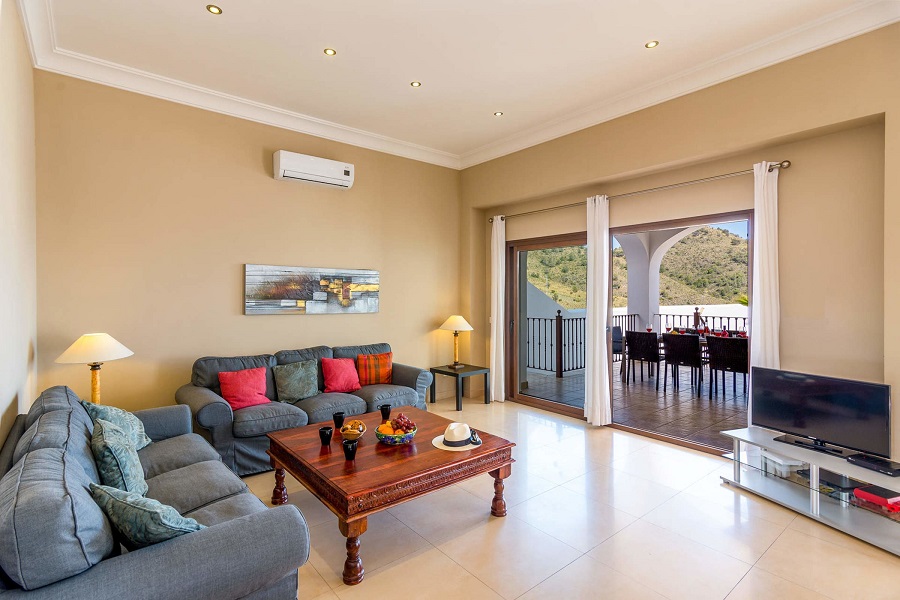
456 365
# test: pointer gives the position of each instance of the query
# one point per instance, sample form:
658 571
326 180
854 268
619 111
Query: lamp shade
456 323
94 348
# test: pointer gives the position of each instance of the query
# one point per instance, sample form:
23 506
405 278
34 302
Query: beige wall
724 128
17 220
147 211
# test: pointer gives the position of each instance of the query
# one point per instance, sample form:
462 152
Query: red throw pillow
340 375
244 388
375 368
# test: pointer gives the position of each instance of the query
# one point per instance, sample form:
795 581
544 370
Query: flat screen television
826 410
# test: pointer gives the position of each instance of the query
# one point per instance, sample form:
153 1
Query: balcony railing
663 320
557 344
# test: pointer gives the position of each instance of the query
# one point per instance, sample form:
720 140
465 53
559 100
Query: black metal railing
555 344
558 344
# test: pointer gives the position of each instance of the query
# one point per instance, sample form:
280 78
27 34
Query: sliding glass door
547 279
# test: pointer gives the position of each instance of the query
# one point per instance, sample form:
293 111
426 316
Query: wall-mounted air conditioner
300 167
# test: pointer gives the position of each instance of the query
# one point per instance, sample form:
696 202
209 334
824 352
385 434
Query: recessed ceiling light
416 84
330 51
214 9
498 114
651 44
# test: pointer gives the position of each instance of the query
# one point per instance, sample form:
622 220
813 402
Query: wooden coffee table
381 476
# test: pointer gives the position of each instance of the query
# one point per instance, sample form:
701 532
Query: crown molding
46 55
826 31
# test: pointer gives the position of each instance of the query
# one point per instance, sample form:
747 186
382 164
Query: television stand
752 474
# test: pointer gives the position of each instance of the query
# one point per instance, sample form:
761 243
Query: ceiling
551 66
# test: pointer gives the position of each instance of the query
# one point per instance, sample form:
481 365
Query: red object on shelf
885 498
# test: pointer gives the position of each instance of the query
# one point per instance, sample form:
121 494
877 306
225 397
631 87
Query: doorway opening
684 285
547 298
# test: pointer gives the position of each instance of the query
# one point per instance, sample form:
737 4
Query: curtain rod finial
785 164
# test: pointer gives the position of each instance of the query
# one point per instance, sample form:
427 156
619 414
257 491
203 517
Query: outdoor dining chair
644 347
683 350
617 340
728 355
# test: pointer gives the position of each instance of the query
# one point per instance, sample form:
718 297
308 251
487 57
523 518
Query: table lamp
456 324
94 349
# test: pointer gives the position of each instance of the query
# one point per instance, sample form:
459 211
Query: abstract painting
274 290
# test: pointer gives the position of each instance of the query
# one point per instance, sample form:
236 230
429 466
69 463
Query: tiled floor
679 413
593 513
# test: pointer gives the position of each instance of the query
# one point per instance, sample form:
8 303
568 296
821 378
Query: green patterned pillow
141 521
117 460
126 421
296 381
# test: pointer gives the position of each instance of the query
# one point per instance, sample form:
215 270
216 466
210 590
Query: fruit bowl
396 440
353 430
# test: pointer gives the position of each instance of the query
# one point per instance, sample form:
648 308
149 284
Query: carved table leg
353 567
279 494
498 504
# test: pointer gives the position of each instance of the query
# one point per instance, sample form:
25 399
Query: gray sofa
56 541
240 436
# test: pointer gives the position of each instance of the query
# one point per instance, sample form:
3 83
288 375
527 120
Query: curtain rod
784 164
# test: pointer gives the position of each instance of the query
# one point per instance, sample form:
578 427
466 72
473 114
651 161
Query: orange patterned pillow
375 368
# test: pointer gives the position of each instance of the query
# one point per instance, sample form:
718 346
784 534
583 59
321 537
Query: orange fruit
385 429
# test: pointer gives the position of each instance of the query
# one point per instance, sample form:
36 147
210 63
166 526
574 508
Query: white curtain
597 402
765 314
498 317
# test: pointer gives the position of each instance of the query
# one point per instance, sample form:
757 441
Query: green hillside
561 273
707 267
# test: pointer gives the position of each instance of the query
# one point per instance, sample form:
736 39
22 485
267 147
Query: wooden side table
460 375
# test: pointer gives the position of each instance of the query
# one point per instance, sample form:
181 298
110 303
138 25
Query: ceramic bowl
353 434
396 440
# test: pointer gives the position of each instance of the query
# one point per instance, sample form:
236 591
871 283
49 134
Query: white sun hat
457 438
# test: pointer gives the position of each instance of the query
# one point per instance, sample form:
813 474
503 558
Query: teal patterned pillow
117 460
141 521
126 421
296 381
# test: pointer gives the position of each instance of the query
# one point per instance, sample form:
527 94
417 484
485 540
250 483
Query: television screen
842 412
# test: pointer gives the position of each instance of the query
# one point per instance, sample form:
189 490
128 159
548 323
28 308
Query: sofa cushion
374 368
354 351
117 460
50 526
206 370
395 395
57 398
124 420
227 509
175 452
317 353
195 486
60 429
260 420
141 521
320 408
244 388
296 381
340 375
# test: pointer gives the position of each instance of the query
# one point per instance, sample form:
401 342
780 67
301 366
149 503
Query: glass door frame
512 312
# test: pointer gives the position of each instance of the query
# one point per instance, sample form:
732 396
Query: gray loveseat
240 436
56 541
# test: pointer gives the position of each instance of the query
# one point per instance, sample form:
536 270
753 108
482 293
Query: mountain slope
707 267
